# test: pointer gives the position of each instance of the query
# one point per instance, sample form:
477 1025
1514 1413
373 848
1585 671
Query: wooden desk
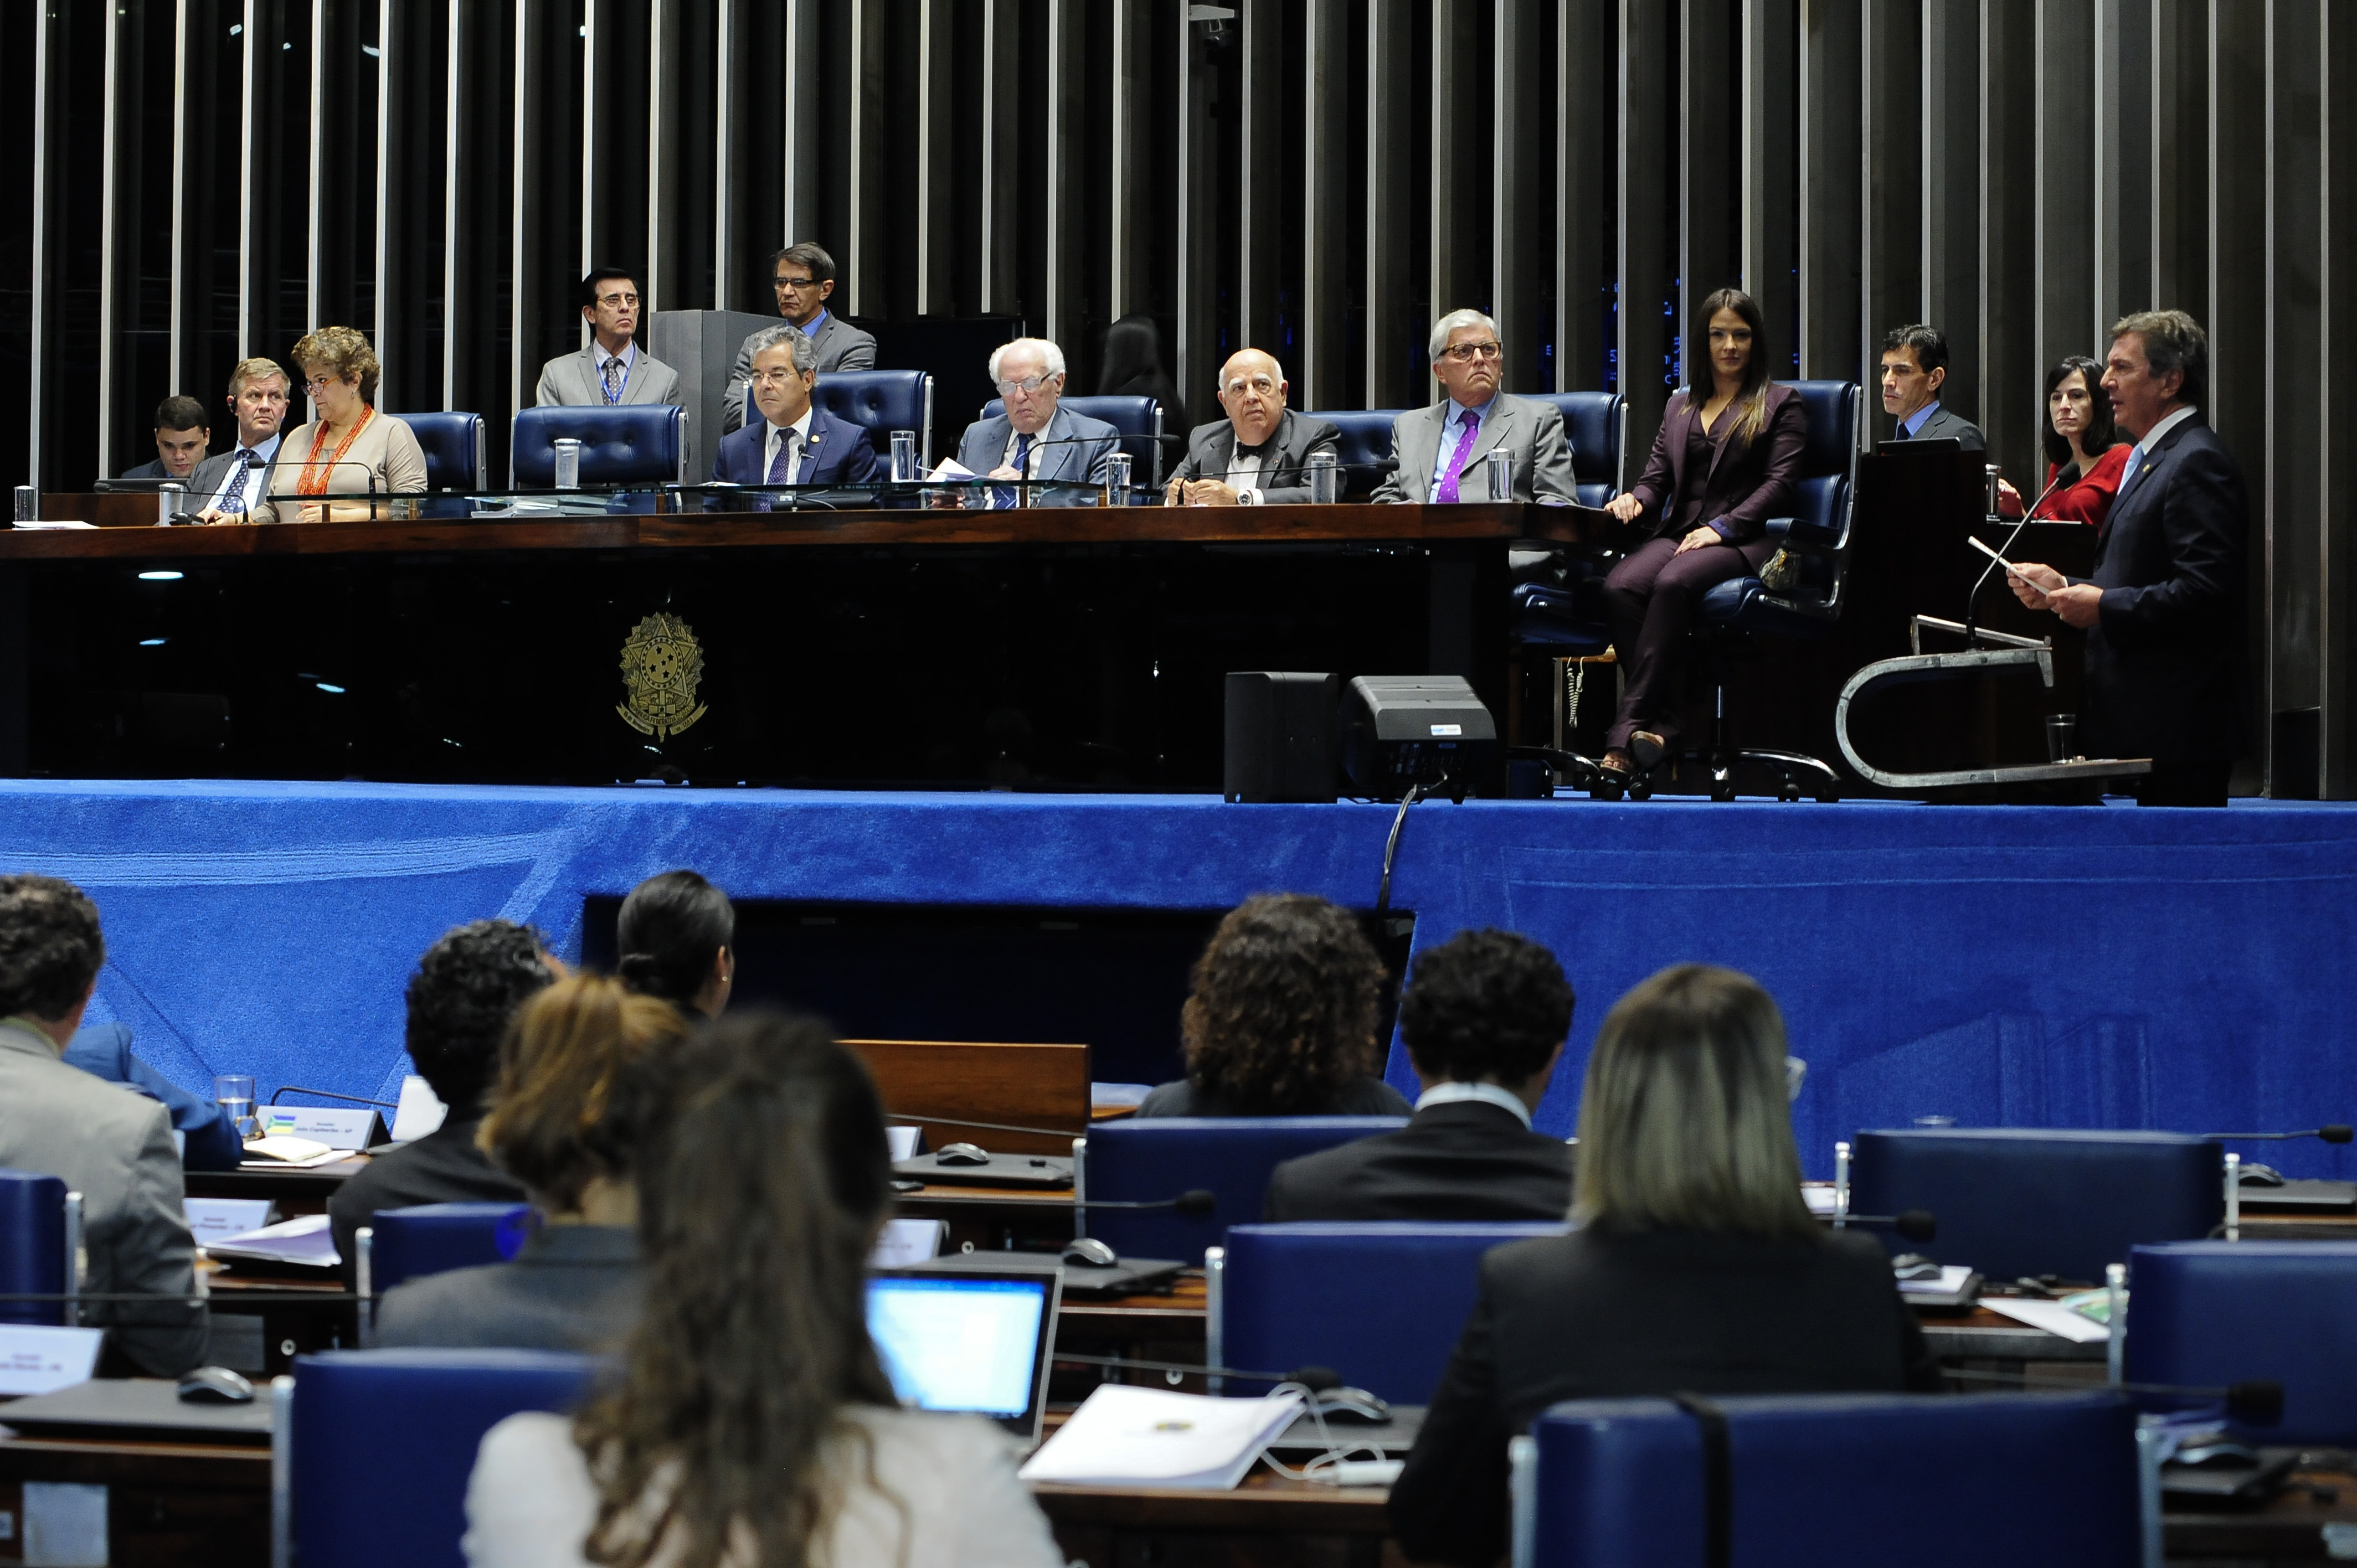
172 1505
1268 1520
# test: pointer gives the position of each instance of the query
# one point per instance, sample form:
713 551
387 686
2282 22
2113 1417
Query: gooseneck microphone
2330 1133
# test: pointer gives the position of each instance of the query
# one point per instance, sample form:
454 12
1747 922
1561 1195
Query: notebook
974 1341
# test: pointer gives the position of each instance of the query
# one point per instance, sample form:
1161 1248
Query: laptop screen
974 1342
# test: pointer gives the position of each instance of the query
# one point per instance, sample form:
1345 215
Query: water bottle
28 503
1501 465
904 456
1325 471
1118 480
168 497
568 463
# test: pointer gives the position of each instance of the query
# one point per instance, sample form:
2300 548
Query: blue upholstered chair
454 450
2212 1314
631 444
1596 425
1382 1304
431 1238
2014 1201
1140 420
1155 1159
1366 440
1930 1479
40 1231
879 401
372 1448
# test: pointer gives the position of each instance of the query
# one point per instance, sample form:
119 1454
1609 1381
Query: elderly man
230 481
1442 452
797 442
2163 613
1035 438
1255 457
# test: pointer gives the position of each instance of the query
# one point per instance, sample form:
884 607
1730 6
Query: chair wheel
1722 788
1641 788
1828 797
1788 790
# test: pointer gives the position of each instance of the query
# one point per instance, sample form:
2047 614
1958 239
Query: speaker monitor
1280 739
1399 730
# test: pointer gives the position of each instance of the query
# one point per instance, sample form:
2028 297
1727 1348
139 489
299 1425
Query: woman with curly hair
1281 1018
348 448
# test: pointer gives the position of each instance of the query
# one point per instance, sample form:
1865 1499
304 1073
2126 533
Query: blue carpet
2029 966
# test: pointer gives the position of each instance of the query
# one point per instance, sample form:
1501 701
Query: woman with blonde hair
348 449
1693 1264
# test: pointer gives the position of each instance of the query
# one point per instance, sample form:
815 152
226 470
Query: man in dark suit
181 436
466 989
1484 1018
796 443
1914 368
1255 457
805 282
2163 613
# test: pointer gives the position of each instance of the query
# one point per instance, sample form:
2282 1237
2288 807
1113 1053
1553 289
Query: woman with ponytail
752 1423
676 937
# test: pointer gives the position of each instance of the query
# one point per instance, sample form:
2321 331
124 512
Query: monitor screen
961 1343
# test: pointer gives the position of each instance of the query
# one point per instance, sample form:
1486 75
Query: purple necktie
1447 494
781 470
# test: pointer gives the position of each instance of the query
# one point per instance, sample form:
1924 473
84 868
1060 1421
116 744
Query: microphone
1915 1224
1972 601
330 1094
2332 1132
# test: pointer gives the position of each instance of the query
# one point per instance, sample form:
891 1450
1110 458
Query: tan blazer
387 451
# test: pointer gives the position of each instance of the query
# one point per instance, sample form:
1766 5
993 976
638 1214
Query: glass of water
1502 476
1325 474
1118 480
904 456
233 1092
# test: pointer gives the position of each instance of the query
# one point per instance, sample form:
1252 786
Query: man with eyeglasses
804 278
796 442
1034 438
1442 452
1255 457
613 369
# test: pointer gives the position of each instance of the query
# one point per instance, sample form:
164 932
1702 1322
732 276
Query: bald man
1253 456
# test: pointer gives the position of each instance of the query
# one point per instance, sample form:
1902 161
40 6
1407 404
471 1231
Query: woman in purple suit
1722 466
794 442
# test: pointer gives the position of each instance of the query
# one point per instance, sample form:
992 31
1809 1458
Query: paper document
307 1239
1124 1435
287 1150
950 471
2052 1316
52 523
1819 1197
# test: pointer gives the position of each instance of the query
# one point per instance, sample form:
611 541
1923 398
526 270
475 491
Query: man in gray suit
613 369
1914 367
1255 457
1442 452
1035 438
107 1142
805 282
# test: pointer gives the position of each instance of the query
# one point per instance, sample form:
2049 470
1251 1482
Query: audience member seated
1696 1267
559 1125
208 1133
612 368
1035 438
1255 457
113 1146
2084 455
796 443
804 276
181 437
1484 1018
1442 451
1914 368
753 1420
467 988
1132 367
1281 1021
349 449
224 484
677 935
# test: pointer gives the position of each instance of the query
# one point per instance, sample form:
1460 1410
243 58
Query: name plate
903 1141
338 1129
40 1360
905 1242
219 1218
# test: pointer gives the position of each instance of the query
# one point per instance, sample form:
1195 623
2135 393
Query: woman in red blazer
2084 455
1722 466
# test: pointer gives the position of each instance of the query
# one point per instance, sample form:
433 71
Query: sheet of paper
305 1238
53 522
1127 1436
288 1150
36 1360
1819 1197
2052 1316
950 471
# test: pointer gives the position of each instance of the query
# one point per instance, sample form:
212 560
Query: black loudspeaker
1399 730
1280 743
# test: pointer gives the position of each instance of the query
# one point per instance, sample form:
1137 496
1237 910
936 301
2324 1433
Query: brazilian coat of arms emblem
662 664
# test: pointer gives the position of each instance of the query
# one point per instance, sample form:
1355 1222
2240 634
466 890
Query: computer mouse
1090 1252
216 1385
1914 1266
1347 1404
962 1155
2256 1174
2218 1455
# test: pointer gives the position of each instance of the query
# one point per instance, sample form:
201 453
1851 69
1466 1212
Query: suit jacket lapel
1492 432
2140 482
1053 461
1419 448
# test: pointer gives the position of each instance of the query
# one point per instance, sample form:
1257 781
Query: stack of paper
1132 1437
2052 1316
305 1240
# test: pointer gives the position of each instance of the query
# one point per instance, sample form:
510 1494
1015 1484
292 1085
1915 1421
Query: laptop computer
976 1341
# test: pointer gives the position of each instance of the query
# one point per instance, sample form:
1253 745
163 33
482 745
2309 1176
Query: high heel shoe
1647 749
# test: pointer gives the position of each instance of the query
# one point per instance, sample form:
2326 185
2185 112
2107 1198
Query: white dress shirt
246 474
799 434
1244 473
1487 1094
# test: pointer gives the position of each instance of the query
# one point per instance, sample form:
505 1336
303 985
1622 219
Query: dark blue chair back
1828 460
1382 1304
2213 1314
432 1237
32 1246
1596 425
631 444
2012 1201
1938 1479
376 1446
879 401
1136 416
1819 527
1366 440
1153 1158
453 444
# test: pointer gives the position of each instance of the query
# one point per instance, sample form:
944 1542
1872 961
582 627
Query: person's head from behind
467 989
181 436
1684 1121
1133 356
1486 1007
51 953
677 941
556 1123
763 1180
2078 414
1284 1007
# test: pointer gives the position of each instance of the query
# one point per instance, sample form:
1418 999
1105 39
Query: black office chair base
1792 767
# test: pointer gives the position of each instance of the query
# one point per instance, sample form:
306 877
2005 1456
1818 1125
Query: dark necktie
614 379
233 503
1022 465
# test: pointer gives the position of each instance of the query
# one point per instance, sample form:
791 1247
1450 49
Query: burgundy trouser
1649 601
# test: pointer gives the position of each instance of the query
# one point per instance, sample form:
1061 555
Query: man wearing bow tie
796 443
227 484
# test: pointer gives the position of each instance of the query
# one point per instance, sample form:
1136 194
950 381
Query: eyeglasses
787 284
775 378
1028 385
620 300
315 384
1466 353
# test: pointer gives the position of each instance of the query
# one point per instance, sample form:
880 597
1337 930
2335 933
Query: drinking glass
233 1092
